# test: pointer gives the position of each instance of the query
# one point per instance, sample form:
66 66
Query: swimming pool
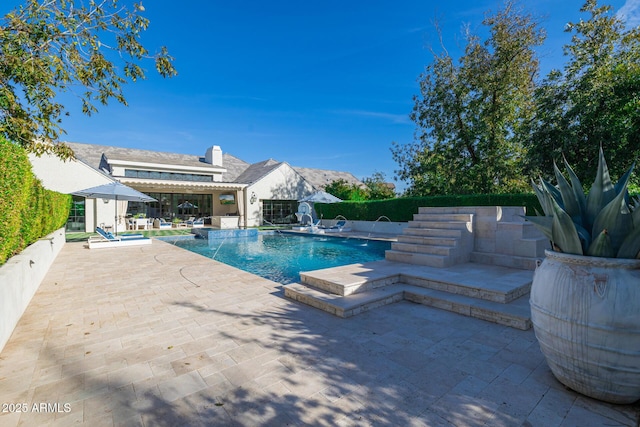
282 256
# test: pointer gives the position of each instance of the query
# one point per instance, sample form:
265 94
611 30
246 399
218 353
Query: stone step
429 260
523 263
516 314
343 306
417 248
445 217
455 225
494 283
428 240
352 278
492 290
446 210
519 229
523 247
432 232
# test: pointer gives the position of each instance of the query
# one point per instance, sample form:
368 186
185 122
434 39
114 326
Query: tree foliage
52 46
345 191
594 101
375 188
469 114
378 188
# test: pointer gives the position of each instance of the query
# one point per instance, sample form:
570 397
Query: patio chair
108 240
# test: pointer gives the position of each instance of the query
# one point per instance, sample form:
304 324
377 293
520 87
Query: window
75 222
172 205
172 176
279 211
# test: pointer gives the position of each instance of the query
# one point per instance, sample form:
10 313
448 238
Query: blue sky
324 84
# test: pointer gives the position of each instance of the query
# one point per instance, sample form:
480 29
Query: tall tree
469 114
378 188
594 101
345 191
51 46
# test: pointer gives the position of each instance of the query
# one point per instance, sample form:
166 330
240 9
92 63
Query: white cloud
630 13
389 117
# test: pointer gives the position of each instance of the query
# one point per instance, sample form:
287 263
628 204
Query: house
228 192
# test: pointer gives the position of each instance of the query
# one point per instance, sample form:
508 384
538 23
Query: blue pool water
281 257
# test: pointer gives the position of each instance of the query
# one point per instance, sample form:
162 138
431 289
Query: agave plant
601 224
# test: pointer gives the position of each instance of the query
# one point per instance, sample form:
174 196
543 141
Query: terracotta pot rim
625 263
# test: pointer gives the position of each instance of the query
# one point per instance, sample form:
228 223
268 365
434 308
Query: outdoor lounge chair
337 227
108 240
161 224
195 223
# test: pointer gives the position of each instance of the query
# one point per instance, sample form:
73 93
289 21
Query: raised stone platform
494 293
476 261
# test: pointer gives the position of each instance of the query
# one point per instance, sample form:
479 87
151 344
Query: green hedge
403 209
27 210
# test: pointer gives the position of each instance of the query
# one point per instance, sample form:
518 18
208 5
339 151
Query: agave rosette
600 224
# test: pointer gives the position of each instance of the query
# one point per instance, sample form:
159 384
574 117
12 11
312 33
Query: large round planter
586 317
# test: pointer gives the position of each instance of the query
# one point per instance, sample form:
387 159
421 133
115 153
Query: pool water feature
281 257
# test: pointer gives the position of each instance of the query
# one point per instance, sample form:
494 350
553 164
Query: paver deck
158 336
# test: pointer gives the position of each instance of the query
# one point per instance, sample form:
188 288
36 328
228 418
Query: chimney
213 155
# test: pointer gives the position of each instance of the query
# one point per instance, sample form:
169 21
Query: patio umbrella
317 197
320 197
114 191
187 205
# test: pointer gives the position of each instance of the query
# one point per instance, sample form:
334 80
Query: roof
320 178
257 171
92 155
237 170
234 166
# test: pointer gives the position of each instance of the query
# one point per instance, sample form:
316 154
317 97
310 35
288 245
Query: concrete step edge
516 314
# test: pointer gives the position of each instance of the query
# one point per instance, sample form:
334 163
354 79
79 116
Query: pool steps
476 261
441 237
437 239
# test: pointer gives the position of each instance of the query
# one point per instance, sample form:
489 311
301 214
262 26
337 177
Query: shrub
27 210
402 209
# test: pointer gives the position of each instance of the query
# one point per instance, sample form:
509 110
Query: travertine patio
158 336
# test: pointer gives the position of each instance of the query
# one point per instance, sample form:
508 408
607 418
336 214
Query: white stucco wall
66 177
283 183
74 175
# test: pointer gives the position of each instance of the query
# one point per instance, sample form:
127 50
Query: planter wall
586 316
20 278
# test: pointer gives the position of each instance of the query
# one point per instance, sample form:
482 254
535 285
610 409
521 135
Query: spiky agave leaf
547 208
542 223
636 212
563 231
615 217
553 192
601 246
570 203
578 191
630 247
601 193
584 236
621 185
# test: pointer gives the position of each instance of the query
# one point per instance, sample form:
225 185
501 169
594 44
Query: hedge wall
403 209
27 210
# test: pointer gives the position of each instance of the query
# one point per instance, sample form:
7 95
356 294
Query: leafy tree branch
53 46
